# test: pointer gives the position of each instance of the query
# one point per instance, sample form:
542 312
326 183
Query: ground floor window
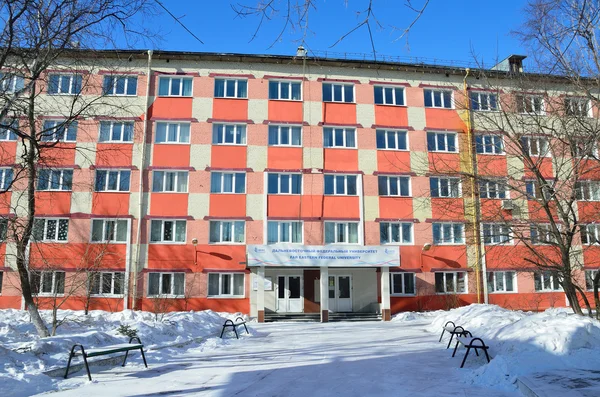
226 284
107 283
546 281
501 281
341 232
589 279
402 283
166 284
1 279
227 231
395 233
451 282
48 283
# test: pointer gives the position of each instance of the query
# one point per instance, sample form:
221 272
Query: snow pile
521 343
24 356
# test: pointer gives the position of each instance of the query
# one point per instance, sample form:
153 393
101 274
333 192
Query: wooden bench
234 325
101 351
453 330
471 343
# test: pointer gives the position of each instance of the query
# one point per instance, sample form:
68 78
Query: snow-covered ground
402 357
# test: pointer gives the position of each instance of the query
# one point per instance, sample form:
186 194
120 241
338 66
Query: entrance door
340 293
289 294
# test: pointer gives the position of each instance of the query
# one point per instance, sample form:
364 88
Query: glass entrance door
290 294
340 293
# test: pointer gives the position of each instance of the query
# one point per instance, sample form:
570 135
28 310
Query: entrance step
294 317
337 317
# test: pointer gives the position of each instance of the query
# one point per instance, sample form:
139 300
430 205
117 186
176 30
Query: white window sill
393 196
348 103
168 242
391 104
393 149
112 191
107 296
49 295
175 96
502 292
230 97
451 293
225 243
404 295
226 297
491 154
398 244
171 143
339 147
117 142
108 242
171 192
441 151
165 296
284 146
436 107
449 244
121 95
285 100
547 291
230 144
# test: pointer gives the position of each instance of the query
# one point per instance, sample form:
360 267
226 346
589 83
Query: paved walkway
296 359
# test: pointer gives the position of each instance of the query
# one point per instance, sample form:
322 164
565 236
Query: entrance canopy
293 255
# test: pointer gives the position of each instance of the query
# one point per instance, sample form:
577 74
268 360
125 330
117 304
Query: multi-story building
261 184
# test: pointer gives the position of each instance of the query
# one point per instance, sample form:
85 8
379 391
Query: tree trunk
571 294
596 295
585 300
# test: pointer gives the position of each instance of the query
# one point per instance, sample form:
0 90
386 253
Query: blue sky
448 30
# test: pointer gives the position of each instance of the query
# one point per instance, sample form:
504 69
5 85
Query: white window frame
346 226
291 83
171 78
54 283
117 224
493 189
60 89
53 125
431 92
55 239
389 225
177 175
537 141
529 101
578 107
489 148
496 234
391 180
396 136
160 285
540 228
554 285
402 275
287 129
588 188
6 132
504 275
589 278
290 184
233 182
335 184
233 230
484 97
443 227
590 233
581 149
162 240
332 86
113 89
345 131
220 132
235 81
231 285
394 89
446 145
534 191
168 126
448 183
5 180
113 277
111 129
108 171
290 226
11 83
61 180
455 282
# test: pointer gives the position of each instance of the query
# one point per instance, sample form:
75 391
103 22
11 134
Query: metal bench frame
470 346
234 325
454 330
107 350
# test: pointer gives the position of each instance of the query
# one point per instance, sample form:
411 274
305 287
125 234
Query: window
501 281
167 231
285 135
535 191
386 95
495 233
7 130
170 181
495 189
229 134
590 234
175 86
111 231
530 104
336 92
284 183
227 182
59 131
11 83
438 99
231 88
585 148
489 144
578 107
6 178
285 90
341 232
402 283
542 234
284 232
67 84
589 279
587 190
113 131
339 137
166 284
451 282
112 180
484 101
3 233
226 285
448 233
1 279
444 187
227 231
441 142
546 281
50 229
392 140
48 283
55 179
172 133
395 233
394 186
107 283
343 185
120 85
535 146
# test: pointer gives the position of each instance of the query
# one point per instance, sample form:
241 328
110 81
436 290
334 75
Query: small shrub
126 330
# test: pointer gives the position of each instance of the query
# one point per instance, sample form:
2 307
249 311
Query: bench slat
112 349
468 342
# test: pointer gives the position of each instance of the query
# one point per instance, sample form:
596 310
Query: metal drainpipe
480 266
141 182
